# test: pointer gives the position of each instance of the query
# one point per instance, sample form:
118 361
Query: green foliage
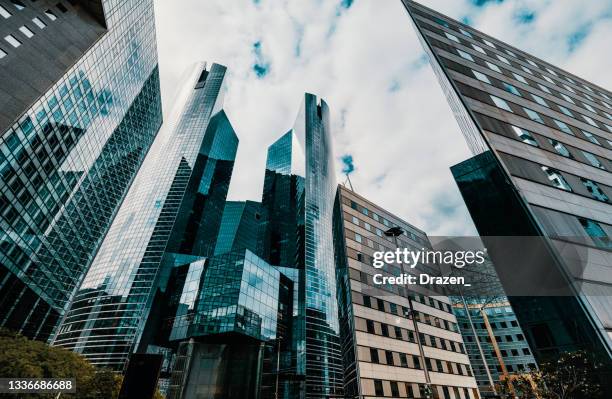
24 358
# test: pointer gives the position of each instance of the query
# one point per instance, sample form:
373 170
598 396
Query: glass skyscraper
542 144
80 108
170 216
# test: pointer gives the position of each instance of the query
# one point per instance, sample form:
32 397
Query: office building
396 342
502 341
542 144
171 216
79 110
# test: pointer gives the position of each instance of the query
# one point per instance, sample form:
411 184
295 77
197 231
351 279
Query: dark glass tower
80 108
542 140
171 216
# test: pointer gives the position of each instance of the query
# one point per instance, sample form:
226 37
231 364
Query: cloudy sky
363 58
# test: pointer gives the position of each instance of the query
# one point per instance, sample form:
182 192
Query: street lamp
395 232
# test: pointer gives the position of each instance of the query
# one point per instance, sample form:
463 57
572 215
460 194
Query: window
560 148
493 67
503 59
596 232
567 98
2 54
18 4
466 33
358 238
38 22
50 15
593 160
569 88
374 355
370 326
366 301
549 80
587 106
526 351
465 55
525 136
403 360
4 12
544 88
488 43
551 72
569 79
534 116
481 76
394 389
589 120
589 97
452 37
510 53
378 388
590 137
520 78
539 100
606 104
594 189
355 221
524 68
532 63
12 41
479 49
563 127
389 358
586 87
555 177
511 89
26 31
61 7
565 111
501 103
384 329
608 127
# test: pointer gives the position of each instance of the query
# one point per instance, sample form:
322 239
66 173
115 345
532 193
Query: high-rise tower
542 140
170 216
79 110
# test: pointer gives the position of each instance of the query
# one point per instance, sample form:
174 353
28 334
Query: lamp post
395 232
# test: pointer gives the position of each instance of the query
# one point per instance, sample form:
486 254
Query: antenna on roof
347 169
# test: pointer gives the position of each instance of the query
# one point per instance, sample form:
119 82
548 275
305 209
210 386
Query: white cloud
387 108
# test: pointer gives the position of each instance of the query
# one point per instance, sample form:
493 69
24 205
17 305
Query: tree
24 358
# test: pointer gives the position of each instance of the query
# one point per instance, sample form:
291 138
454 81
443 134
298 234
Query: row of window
396 332
556 178
502 48
395 389
508 338
495 325
24 29
398 359
594 138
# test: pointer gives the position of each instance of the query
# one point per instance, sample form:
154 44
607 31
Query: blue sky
362 56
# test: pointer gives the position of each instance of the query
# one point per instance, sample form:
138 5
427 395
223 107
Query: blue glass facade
171 213
66 163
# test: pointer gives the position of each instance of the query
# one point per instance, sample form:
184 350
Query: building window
590 137
355 220
565 111
452 37
594 189
532 63
539 100
378 388
374 355
403 360
18 4
2 54
511 89
534 116
61 7
503 59
524 68
560 148
525 136
569 88
465 55
596 232
479 49
26 31
370 326
510 53
555 177
587 106
549 80
394 389
593 160
481 76
38 22
50 15
389 358
488 43
563 127
544 88
520 78
493 67
466 33
501 103
4 12
358 238
589 120
12 41
567 98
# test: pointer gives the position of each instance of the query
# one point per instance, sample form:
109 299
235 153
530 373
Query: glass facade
68 159
172 212
536 187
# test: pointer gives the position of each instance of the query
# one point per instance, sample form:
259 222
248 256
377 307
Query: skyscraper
170 216
542 140
79 110
396 343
